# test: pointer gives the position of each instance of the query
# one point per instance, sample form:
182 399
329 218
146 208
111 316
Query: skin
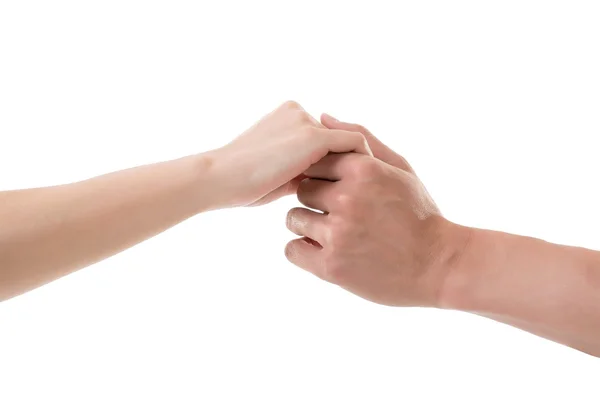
49 232
377 233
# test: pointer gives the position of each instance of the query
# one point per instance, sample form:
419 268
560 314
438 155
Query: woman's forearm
550 290
49 232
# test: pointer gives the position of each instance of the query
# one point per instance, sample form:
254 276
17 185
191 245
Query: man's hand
267 161
380 235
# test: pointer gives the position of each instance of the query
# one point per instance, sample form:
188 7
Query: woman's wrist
207 181
218 180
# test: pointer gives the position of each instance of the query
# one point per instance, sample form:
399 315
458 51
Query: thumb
380 150
286 189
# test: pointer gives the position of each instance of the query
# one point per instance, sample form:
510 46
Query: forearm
49 232
548 289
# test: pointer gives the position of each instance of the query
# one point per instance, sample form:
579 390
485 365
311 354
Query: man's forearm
548 289
49 232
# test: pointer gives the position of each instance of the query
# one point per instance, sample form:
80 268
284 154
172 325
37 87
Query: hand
267 161
381 236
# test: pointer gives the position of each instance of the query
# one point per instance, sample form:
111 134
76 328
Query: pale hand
267 161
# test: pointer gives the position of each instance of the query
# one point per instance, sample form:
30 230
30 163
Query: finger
333 166
380 150
341 141
304 222
333 123
286 189
317 194
304 254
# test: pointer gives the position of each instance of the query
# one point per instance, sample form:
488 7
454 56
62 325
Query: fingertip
328 120
366 145
290 250
299 252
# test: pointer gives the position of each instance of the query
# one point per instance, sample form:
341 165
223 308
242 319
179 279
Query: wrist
219 179
209 181
457 266
480 278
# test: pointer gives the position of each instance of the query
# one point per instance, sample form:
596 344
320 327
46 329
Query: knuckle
328 233
302 196
291 105
362 143
309 132
365 143
366 167
356 138
345 201
304 188
303 117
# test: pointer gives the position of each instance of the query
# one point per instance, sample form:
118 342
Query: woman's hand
47 233
267 161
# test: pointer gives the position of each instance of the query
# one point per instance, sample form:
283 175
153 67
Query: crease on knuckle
345 201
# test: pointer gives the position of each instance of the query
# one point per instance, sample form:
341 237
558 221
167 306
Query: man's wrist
459 266
486 276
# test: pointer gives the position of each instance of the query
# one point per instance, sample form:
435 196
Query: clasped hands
370 225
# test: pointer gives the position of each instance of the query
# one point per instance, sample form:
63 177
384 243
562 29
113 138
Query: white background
496 104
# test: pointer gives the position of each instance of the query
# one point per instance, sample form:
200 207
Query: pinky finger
304 254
